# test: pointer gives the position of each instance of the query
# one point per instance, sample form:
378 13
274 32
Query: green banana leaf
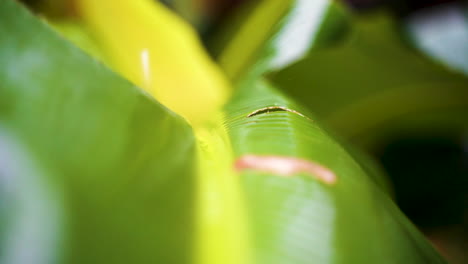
353 221
116 172
121 164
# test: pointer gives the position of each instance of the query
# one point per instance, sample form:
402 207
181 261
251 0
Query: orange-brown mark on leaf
270 109
285 166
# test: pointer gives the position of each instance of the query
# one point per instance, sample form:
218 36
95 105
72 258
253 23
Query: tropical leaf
301 219
121 162
130 174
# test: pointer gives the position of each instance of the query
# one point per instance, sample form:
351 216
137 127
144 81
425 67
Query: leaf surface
298 219
130 175
123 163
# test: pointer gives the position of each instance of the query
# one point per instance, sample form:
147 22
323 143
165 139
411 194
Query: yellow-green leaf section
158 51
222 232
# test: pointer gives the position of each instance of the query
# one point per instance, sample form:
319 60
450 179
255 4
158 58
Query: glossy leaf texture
124 166
299 219
118 164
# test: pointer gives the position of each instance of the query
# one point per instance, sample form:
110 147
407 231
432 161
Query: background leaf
273 34
370 79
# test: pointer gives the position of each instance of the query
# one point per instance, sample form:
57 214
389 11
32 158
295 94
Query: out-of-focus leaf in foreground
122 163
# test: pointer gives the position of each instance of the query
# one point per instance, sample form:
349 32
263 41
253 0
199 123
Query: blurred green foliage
115 171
